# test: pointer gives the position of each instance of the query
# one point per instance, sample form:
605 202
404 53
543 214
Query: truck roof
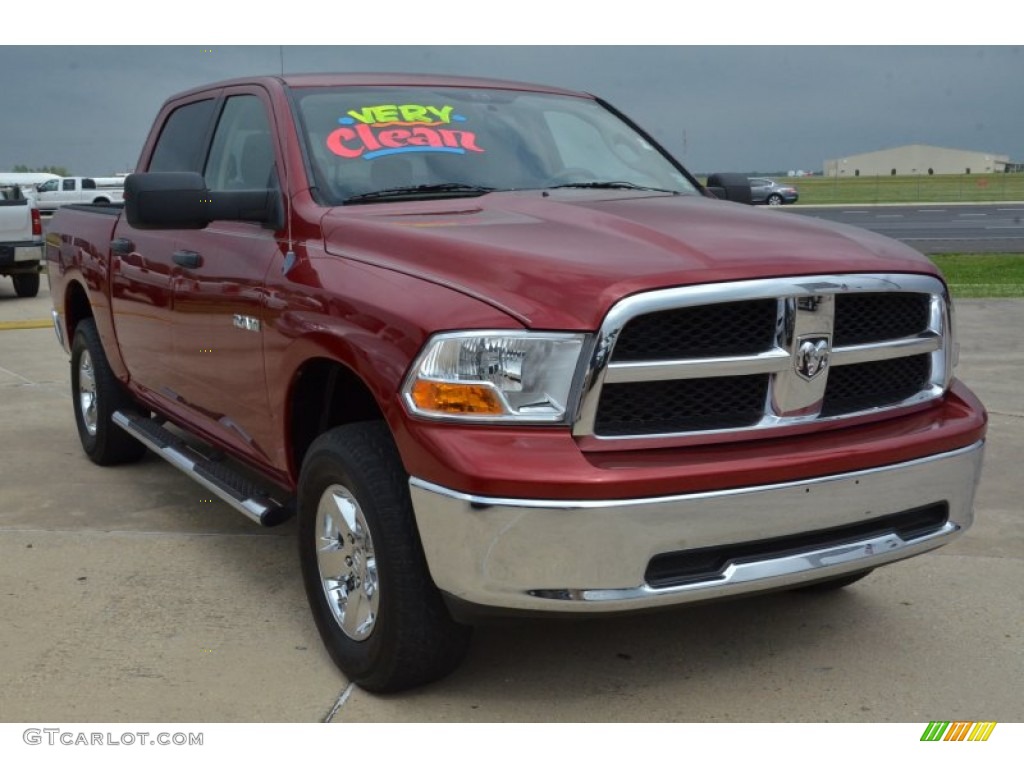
319 80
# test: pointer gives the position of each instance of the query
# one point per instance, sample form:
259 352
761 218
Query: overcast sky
717 108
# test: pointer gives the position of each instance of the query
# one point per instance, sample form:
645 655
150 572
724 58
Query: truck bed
84 233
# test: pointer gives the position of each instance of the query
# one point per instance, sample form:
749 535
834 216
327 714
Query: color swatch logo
958 731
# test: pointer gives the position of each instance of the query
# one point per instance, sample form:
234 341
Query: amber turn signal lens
445 397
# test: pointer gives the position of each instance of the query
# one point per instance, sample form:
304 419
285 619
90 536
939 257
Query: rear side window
183 139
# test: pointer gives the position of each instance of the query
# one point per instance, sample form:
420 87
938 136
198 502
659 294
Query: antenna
289 257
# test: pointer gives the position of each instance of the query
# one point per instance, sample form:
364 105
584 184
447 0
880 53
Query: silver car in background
767 192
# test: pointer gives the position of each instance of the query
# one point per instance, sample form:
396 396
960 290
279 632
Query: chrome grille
853 388
878 316
765 354
715 330
653 407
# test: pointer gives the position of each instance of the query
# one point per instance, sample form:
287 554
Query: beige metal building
916 160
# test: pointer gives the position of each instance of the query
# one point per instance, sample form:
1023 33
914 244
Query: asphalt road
125 596
939 228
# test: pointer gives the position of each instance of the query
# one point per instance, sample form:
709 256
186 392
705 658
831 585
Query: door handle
188 259
122 246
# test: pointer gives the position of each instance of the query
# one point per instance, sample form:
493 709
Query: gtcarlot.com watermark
58 737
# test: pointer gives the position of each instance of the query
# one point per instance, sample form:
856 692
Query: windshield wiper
609 185
420 192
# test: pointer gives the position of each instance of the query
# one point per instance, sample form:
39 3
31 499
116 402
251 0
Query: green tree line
60 170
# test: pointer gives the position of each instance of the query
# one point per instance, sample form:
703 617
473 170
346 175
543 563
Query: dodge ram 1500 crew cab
499 352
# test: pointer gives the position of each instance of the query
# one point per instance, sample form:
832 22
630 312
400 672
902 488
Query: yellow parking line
21 325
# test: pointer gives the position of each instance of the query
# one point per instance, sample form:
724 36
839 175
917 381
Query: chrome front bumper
591 556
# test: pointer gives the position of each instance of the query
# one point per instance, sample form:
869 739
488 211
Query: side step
216 476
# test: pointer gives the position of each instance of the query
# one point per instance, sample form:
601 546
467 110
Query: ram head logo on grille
812 355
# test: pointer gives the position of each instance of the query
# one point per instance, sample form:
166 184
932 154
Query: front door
218 288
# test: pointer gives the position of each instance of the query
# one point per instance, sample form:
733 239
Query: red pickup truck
500 353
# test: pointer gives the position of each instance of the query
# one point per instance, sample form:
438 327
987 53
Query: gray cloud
740 108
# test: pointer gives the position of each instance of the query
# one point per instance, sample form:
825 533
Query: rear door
142 262
69 192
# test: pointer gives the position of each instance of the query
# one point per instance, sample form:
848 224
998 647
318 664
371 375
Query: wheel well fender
324 394
76 308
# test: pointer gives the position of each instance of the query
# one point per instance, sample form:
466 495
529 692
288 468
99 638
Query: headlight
494 375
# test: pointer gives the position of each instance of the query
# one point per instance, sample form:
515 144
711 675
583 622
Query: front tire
379 614
26 286
97 394
775 200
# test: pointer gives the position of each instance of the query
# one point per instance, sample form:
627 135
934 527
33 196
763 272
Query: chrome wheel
381 617
87 392
347 563
774 200
96 395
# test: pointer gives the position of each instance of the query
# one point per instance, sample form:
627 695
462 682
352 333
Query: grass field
909 189
983 275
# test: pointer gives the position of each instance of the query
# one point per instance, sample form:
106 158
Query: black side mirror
181 200
730 186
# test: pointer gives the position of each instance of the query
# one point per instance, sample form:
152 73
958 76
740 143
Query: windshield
417 143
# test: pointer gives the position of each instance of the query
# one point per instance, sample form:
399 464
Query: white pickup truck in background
21 240
28 181
52 194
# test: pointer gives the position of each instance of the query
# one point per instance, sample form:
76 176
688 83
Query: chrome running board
224 482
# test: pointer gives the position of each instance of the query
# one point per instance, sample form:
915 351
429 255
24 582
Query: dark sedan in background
768 192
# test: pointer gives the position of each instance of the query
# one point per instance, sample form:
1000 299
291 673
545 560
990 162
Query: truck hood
560 260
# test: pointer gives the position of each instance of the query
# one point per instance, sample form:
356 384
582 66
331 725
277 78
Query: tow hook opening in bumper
710 563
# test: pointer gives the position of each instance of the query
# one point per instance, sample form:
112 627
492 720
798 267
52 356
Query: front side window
48 186
364 140
242 154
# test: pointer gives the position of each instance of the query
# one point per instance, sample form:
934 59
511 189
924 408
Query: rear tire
379 614
26 286
837 583
97 394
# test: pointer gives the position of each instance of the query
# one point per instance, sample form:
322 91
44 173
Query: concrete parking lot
125 595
